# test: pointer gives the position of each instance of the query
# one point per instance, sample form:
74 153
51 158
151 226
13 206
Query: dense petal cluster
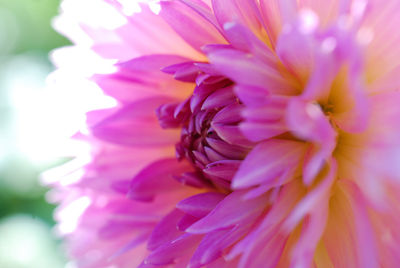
247 133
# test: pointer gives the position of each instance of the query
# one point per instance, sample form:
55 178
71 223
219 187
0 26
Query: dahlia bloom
247 133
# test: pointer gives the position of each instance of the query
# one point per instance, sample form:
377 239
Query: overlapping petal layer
246 134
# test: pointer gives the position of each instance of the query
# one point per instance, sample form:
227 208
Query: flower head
247 133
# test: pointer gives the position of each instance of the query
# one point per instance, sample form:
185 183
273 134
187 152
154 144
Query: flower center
210 138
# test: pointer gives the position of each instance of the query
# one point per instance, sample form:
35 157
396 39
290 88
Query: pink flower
246 134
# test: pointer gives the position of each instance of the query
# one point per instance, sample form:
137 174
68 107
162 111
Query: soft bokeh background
27 134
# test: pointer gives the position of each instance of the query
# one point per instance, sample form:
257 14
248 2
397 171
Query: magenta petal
264 115
185 71
366 241
230 211
272 109
316 158
136 125
200 205
193 179
206 251
219 98
150 63
147 265
208 68
169 252
213 244
268 161
185 21
272 247
267 236
228 150
296 47
272 18
137 78
200 157
213 155
256 131
186 221
230 114
246 70
307 121
200 93
203 10
165 231
157 178
166 116
257 191
312 229
261 101
314 198
240 11
132 244
116 228
224 169
252 96
243 39
232 134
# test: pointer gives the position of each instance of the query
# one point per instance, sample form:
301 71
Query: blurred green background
26 136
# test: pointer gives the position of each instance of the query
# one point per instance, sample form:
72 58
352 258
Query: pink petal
213 155
186 221
186 71
268 236
185 21
246 70
296 47
165 231
141 78
272 19
193 179
366 244
224 169
120 41
315 198
268 161
256 131
240 11
313 228
200 205
273 109
252 96
168 253
307 121
213 244
349 219
204 10
228 150
244 39
230 211
232 134
157 178
229 114
136 125
219 99
272 247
